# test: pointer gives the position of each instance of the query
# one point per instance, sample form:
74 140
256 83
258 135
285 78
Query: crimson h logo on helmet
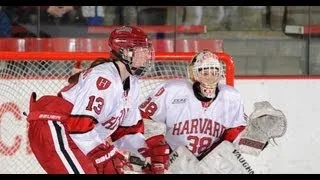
133 47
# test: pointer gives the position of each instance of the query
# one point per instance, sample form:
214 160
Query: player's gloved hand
264 123
158 150
108 160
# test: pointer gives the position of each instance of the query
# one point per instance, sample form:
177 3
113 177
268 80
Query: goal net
46 73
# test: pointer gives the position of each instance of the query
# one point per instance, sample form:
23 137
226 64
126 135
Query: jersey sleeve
237 108
93 104
154 107
87 141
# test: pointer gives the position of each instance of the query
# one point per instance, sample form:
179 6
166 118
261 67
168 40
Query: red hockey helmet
133 47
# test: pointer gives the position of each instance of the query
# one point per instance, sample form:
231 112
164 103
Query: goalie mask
133 47
206 69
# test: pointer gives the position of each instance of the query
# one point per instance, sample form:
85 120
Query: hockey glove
265 123
158 151
108 160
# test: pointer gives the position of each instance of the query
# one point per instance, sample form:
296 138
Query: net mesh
19 78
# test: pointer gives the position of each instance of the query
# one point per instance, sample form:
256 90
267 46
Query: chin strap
199 95
128 68
118 57
132 70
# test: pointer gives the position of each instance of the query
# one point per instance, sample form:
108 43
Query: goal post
45 73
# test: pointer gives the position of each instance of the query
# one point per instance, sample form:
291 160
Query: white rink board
296 152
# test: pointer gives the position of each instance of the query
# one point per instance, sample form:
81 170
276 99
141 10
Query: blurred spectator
93 14
193 15
48 14
64 15
62 21
184 15
111 15
228 16
120 15
251 18
175 15
55 21
5 24
129 15
151 15
220 18
59 11
169 15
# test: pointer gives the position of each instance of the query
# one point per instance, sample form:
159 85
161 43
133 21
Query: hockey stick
137 161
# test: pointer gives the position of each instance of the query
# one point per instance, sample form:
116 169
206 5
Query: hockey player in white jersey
199 114
68 132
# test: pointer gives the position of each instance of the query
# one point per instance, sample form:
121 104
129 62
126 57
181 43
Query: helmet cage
139 59
207 70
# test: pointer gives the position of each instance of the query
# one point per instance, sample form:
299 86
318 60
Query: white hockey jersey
188 122
99 95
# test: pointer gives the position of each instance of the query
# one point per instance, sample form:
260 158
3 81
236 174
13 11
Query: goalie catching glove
108 160
158 151
265 123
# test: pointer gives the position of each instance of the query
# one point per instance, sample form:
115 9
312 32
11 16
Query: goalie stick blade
137 161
